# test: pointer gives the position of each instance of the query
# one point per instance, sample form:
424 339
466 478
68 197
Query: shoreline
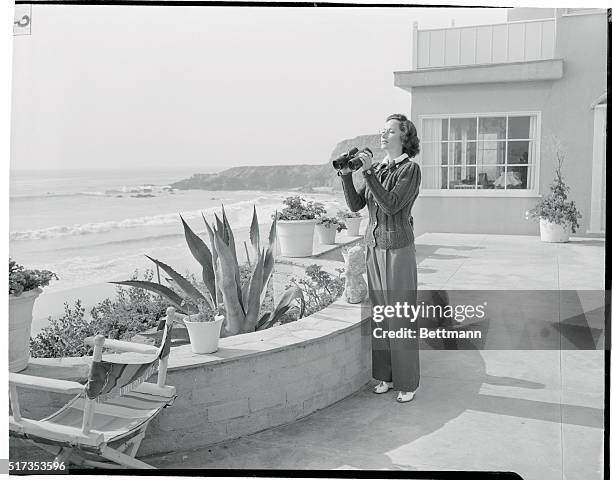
51 304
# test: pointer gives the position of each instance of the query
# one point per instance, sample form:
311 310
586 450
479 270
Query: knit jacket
389 203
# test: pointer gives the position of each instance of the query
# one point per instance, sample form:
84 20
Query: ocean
95 226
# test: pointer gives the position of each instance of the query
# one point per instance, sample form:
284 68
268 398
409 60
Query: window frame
444 192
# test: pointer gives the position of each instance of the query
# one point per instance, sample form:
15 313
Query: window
495 152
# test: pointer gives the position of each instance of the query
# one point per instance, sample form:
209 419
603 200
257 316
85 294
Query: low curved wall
253 382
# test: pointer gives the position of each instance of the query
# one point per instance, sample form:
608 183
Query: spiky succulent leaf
235 313
203 255
232 248
272 234
221 229
268 270
215 263
254 231
253 306
263 321
290 295
185 285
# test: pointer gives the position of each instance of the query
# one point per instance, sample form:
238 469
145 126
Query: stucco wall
566 113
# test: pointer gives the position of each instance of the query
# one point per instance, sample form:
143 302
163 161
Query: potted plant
296 223
556 214
204 329
222 295
327 228
352 220
24 288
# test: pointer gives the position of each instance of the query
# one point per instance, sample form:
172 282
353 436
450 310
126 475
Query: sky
208 87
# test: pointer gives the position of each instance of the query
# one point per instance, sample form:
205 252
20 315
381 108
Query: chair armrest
122 346
46 384
54 432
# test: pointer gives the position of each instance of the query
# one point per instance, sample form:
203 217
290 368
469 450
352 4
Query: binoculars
348 159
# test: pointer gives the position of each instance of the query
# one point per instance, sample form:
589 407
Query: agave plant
242 303
221 276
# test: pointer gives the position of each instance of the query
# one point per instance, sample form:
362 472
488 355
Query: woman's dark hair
410 141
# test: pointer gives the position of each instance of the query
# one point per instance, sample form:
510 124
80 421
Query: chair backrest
108 379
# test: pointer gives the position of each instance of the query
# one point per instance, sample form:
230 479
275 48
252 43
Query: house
493 104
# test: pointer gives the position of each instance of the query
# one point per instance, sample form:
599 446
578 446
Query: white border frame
512 193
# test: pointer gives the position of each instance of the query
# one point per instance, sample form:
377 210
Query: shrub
64 336
298 209
320 288
22 280
133 310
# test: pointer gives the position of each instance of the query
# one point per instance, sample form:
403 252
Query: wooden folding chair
104 424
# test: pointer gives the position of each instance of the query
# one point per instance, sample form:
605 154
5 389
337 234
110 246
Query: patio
535 412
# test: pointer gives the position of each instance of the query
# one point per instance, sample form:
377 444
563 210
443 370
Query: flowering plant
23 280
555 206
348 214
331 222
298 209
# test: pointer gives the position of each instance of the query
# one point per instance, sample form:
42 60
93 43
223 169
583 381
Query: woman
389 191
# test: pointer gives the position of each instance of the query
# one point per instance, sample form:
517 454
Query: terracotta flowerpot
295 237
553 232
20 324
204 336
326 234
352 226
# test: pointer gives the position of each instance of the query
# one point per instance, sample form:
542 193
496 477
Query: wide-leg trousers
392 279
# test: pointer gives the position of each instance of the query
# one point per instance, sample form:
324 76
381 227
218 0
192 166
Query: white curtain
532 154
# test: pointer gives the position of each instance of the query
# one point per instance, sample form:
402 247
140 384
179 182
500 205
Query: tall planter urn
20 326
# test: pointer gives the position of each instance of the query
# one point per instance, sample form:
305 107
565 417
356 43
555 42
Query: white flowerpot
295 237
352 226
204 336
326 234
553 232
20 324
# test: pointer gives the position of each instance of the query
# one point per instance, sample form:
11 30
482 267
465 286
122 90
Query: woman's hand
366 158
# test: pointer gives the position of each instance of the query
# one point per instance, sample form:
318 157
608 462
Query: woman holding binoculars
389 191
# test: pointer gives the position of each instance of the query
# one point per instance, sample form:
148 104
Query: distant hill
280 177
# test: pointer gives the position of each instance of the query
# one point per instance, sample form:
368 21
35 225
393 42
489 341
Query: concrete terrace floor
538 413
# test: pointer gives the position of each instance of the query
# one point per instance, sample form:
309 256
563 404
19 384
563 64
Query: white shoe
383 387
405 396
